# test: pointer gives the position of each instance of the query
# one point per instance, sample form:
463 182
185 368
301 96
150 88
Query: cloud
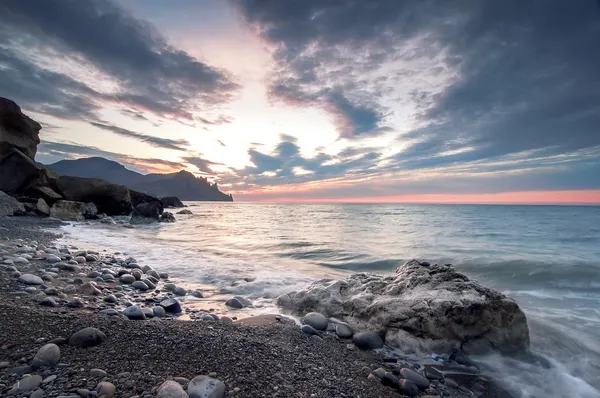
202 164
165 143
51 152
101 37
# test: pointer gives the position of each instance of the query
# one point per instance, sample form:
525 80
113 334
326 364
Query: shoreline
278 358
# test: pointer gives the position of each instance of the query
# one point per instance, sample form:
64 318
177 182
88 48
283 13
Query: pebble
127 279
179 291
389 379
20 261
367 340
343 331
234 303
53 259
171 389
309 330
419 380
48 302
433 374
49 379
87 337
198 293
171 305
97 373
30 279
205 387
134 312
159 312
110 299
48 355
170 287
106 389
316 320
76 303
27 383
39 393
140 285
408 388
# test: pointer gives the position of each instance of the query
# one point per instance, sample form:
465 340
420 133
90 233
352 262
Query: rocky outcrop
146 213
67 210
171 201
17 130
422 308
9 206
110 199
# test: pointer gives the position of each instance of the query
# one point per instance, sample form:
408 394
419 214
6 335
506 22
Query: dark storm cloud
201 163
152 74
165 143
526 72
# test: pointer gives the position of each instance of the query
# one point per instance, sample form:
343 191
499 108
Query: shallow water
546 257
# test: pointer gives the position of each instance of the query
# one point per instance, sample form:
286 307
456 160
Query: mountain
183 184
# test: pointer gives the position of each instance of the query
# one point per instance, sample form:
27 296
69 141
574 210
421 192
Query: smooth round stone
39 393
106 389
198 293
171 389
367 340
137 274
179 291
419 380
343 331
234 303
159 312
316 320
154 274
226 320
432 373
30 279
208 318
109 312
134 312
379 373
97 373
69 289
27 383
79 259
169 287
408 388
205 387
127 279
149 283
48 302
91 258
140 285
163 275
389 379
309 330
99 279
148 312
87 337
48 355
20 261
52 259
108 277
110 299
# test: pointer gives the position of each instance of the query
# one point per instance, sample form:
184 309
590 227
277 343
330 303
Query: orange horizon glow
522 197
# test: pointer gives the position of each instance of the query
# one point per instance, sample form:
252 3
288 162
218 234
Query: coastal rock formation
427 309
10 206
17 130
146 213
67 210
18 172
110 199
171 201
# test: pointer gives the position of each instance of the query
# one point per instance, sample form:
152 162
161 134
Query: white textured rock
422 309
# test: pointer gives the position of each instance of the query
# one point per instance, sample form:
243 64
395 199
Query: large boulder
9 206
146 213
17 130
140 197
423 309
17 171
111 199
171 201
67 210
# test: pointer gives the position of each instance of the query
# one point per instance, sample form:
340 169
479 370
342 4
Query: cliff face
17 131
183 184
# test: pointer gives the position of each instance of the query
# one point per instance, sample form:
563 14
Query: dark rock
110 299
111 199
234 303
146 213
30 279
408 388
185 211
419 380
390 380
17 130
167 217
179 291
48 355
10 206
48 302
42 208
87 337
127 279
106 389
171 201
17 172
91 211
367 340
140 285
171 305
43 192
309 330
134 312
432 373
343 331
67 210
159 312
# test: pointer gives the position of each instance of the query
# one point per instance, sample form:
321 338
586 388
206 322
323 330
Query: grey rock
48 302
149 283
170 287
316 320
87 337
109 312
137 274
48 355
171 389
110 299
105 389
10 206
343 331
97 373
30 279
159 312
91 211
134 312
445 309
432 373
49 379
309 330
205 387
208 318
68 210
185 211
389 379
167 217
198 293
27 383
367 340
39 393
76 303
419 380
234 303
179 291
127 279
53 259
148 312
140 285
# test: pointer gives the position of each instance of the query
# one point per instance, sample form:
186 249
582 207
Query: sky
445 101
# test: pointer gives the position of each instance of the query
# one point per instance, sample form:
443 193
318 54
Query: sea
545 257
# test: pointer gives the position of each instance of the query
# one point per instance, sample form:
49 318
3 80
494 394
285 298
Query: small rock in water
179 291
137 274
169 287
87 337
198 293
205 387
408 388
234 303
171 305
432 373
105 389
343 331
419 380
171 389
367 340
48 355
134 312
316 320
